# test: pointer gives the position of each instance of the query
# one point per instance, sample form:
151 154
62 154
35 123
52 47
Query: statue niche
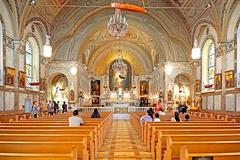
120 75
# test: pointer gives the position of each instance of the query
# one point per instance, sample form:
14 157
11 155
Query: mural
120 75
144 88
95 87
182 88
59 88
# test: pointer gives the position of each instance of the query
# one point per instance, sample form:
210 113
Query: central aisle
123 143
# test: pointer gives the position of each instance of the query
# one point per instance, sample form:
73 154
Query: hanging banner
1 54
238 57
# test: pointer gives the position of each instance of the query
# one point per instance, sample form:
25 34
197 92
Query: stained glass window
1 53
28 61
211 63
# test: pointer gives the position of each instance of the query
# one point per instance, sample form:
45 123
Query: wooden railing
114 109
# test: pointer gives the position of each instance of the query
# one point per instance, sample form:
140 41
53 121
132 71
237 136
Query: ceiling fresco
78 30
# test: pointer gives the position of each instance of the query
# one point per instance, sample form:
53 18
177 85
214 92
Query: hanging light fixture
73 70
196 52
33 2
47 49
117 25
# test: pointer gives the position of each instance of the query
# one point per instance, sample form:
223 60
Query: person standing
159 106
34 109
55 106
50 108
64 107
75 120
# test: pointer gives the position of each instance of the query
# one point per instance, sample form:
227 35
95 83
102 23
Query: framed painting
21 79
43 84
10 76
218 81
95 87
198 85
144 88
229 79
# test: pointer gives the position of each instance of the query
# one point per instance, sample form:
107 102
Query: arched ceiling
79 33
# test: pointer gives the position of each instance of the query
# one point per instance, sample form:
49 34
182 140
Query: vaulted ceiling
78 31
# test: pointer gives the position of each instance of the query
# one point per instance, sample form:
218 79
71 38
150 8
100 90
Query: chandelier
117 25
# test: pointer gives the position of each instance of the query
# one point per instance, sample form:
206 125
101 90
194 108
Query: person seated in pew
147 117
157 119
176 117
152 112
95 113
75 120
187 117
34 109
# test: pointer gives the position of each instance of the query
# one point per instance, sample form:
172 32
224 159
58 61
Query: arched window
29 61
1 53
211 63
208 63
238 56
32 61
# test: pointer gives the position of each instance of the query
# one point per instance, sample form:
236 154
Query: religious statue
170 95
71 95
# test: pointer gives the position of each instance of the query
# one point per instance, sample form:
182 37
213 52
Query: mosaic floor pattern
123 143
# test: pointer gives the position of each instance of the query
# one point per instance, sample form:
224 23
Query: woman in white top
157 119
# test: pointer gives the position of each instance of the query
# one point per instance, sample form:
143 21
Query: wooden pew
162 139
52 137
149 125
186 155
45 147
152 135
92 138
188 131
59 126
94 126
40 156
173 147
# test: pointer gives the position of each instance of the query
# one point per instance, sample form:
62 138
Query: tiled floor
123 143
